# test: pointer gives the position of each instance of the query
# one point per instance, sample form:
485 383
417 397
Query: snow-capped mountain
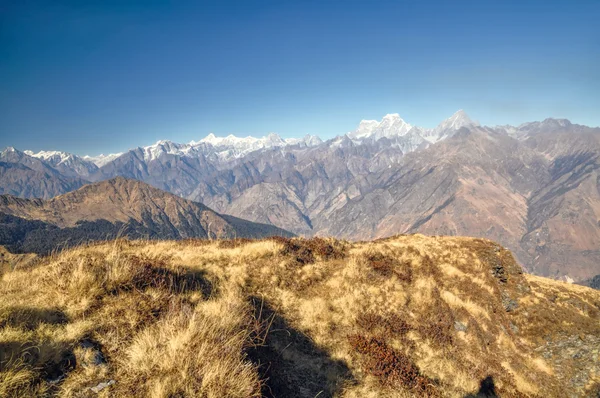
235 147
67 163
154 151
408 137
401 134
307 140
390 138
458 178
453 123
392 125
102 159
54 157
215 150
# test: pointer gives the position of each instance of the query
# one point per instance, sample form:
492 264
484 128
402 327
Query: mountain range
534 188
114 208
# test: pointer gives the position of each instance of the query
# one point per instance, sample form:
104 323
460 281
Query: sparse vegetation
399 317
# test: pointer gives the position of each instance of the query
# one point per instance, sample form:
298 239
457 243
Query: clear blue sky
105 76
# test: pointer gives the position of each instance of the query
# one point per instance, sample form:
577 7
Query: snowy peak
9 149
166 147
392 125
365 129
307 140
102 159
66 163
271 139
235 147
53 157
459 120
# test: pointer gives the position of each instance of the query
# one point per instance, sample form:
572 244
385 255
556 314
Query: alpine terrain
535 188
408 316
114 208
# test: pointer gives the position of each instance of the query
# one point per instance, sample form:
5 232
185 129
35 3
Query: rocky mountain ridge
113 208
534 187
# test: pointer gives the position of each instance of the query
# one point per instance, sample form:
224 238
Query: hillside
408 316
533 188
112 208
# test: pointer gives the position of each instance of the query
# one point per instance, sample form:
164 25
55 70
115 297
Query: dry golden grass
398 317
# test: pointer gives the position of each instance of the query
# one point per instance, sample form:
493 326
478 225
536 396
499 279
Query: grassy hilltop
400 317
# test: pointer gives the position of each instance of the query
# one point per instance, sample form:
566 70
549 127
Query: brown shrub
387 265
390 366
233 243
430 268
155 272
391 325
194 242
438 322
306 251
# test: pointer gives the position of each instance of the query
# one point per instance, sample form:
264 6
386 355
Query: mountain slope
26 176
66 163
409 316
533 187
117 207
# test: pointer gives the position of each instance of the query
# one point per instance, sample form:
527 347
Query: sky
92 77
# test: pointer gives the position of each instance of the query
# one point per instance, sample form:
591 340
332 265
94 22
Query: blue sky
91 77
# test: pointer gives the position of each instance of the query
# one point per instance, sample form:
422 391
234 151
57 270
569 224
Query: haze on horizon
108 76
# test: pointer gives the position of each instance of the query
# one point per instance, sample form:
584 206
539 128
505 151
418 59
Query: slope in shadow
487 389
27 352
291 364
29 318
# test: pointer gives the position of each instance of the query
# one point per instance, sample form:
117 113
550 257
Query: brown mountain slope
119 207
533 188
544 207
409 316
20 180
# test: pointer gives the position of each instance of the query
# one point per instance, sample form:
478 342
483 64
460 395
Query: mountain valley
534 188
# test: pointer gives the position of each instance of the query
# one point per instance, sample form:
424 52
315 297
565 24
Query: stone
461 327
102 386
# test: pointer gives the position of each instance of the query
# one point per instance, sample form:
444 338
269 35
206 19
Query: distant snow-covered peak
458 120
271 139
448 127
232 146
390 126
307 140
53 157
102 159
153 152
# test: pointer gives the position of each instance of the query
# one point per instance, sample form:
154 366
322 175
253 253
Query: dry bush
437 322
387 265
233 243
386 325
307 251
390 366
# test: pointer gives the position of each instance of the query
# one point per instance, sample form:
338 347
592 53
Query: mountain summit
393 126
116 207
